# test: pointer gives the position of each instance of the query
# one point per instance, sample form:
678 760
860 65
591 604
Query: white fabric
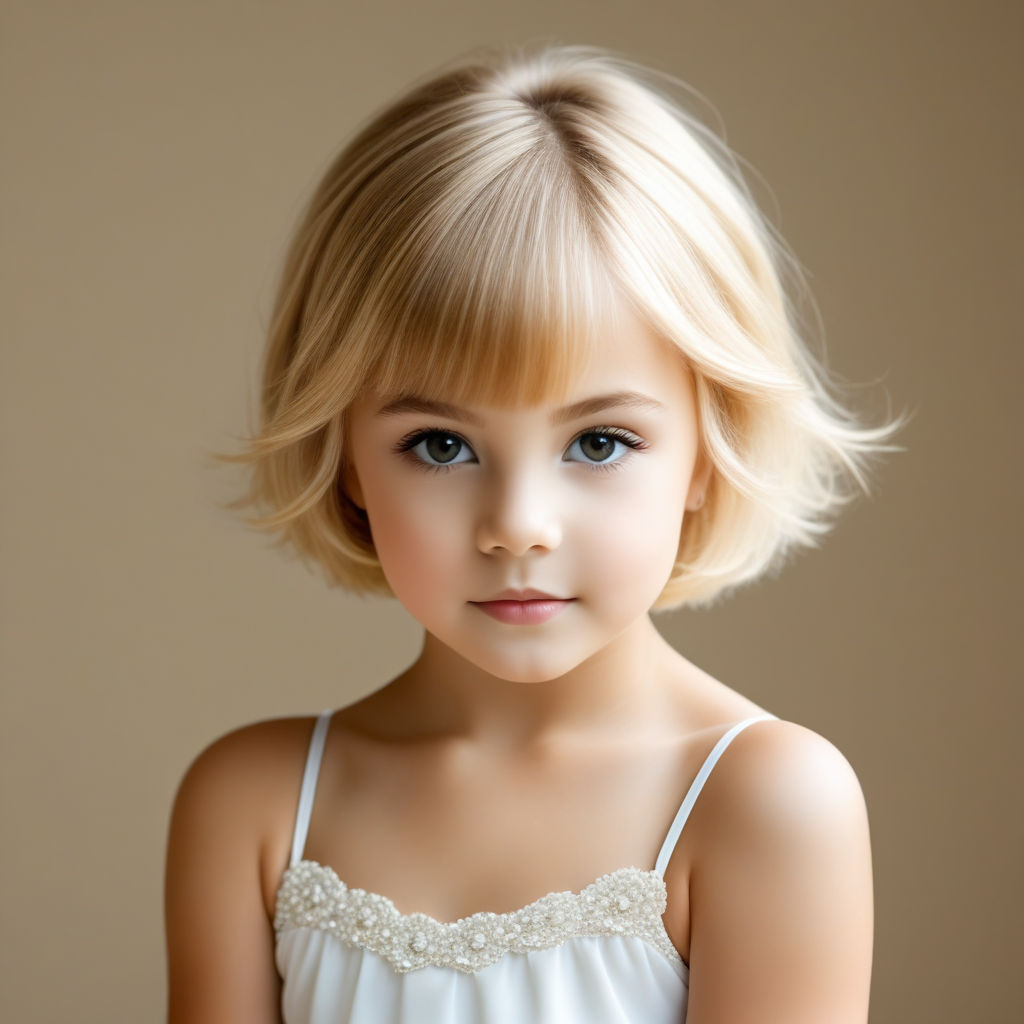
309 777
585 979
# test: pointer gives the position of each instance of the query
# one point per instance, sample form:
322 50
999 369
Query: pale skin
517 760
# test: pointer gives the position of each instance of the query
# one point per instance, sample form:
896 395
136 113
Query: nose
520 514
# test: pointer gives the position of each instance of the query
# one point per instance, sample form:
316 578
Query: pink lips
522 607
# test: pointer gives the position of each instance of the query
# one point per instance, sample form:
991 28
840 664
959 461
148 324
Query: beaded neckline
628 902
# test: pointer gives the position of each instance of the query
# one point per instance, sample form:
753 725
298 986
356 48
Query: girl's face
582 501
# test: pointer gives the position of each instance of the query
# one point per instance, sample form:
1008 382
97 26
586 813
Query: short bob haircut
464 244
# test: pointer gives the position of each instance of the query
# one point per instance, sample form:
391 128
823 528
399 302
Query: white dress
598 956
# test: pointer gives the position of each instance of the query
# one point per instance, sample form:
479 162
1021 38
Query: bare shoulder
781 889
237 767
226 819
782 776
243 780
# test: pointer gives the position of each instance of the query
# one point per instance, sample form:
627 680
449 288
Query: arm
780 893
220 949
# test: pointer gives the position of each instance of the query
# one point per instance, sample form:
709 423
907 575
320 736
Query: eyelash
629 439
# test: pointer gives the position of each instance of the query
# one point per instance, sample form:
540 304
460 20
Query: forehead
622 364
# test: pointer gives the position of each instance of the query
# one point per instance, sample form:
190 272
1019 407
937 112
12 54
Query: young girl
533 372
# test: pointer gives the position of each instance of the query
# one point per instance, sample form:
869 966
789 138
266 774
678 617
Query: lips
522 607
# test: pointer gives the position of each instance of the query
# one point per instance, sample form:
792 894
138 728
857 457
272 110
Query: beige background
155 157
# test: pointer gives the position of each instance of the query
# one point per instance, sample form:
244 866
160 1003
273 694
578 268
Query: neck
619 690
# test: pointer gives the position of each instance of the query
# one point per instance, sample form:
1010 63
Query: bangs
493 297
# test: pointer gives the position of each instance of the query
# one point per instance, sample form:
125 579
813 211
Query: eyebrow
588 407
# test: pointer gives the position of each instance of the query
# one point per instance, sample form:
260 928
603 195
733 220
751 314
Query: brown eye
604 447
597 447
435 449
442 448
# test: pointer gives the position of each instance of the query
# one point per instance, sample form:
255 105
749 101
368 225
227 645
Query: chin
527 678
526 672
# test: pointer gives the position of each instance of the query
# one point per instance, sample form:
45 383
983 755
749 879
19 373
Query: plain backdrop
155 157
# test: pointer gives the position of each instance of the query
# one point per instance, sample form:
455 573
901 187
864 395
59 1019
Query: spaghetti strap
694 791
308 791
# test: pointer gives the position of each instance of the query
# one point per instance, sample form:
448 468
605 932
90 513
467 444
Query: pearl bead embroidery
627 902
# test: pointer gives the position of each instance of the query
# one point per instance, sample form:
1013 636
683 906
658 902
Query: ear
348 483
700 481
351 486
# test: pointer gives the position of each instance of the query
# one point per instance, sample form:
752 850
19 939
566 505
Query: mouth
529 612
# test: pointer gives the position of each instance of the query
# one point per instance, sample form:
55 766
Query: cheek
636 540
413 540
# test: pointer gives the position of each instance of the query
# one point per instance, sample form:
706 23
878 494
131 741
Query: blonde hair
464 244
